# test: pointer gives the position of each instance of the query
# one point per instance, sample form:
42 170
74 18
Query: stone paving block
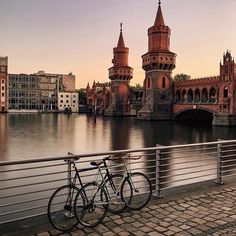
194 231
145 229
119 221
108 234
43 234
160 229
117 229
154 233
169 233
101 228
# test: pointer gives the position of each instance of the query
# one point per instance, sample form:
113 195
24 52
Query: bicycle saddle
96 163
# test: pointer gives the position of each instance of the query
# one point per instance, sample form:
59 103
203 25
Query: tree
182 77
82 97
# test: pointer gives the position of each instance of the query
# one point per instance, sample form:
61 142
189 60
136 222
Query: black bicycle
61 212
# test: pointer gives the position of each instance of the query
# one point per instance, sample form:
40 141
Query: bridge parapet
198 82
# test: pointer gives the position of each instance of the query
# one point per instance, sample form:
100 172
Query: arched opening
163 82
212 95
204 95
177 96
184 96
190 95
195 115
197 95
226 92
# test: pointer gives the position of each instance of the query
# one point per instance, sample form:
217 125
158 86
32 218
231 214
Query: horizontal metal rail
26 185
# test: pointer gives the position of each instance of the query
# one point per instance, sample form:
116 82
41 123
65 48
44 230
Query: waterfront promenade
200 209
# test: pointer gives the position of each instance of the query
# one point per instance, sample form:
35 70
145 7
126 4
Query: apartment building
38 91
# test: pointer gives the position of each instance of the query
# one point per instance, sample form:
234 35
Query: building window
67 96
3 88
3 69
67 101
61 96
61 101
74 101
163 82
225 92
3 95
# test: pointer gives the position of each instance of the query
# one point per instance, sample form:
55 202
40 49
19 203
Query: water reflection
25 136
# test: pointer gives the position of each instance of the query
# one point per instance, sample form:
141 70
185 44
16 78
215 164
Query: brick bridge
213 95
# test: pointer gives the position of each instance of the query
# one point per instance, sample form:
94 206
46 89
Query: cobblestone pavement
211 212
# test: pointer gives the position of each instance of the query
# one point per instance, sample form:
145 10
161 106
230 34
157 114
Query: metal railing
26 185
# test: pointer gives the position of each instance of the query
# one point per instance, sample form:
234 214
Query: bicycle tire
91 205
116 204
61 212
142 191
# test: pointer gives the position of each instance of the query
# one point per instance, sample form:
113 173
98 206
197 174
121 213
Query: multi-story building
38 91
3 84
68 101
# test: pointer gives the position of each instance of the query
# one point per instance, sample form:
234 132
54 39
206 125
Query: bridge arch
193 113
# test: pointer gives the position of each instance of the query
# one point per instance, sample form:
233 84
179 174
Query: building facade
3 84
37 91
68 102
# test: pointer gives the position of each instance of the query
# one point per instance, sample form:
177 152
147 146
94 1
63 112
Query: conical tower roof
121 42
159 17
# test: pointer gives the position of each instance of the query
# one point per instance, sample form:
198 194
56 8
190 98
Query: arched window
148 85
163 82
197 95
177 96
190 95
225 92
212 95
204 95
184 96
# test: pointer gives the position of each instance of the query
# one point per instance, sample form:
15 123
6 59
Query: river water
25 136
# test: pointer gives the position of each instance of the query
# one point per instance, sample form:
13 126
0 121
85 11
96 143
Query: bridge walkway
200 209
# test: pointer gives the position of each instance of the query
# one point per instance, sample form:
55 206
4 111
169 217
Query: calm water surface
24 136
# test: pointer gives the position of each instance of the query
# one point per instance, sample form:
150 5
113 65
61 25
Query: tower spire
121 42
159 17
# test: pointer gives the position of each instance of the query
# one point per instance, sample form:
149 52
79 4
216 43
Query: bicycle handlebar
121 158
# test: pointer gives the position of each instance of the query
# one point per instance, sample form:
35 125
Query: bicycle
60 209
133 194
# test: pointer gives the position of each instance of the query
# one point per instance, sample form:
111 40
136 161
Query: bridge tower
227 92
158 64
120 75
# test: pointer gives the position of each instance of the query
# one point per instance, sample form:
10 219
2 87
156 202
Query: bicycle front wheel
113 187
61 208
91 205
141 191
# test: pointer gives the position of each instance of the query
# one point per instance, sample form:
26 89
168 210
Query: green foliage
82 97
182 77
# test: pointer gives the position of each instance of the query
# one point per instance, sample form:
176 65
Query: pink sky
61 36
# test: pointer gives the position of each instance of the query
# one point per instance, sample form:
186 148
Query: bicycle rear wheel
61 208
141 191
113 186
91 205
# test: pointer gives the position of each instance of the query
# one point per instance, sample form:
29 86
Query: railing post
219 164
157 184
69 169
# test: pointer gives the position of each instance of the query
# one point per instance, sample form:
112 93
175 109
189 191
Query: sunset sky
62 36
